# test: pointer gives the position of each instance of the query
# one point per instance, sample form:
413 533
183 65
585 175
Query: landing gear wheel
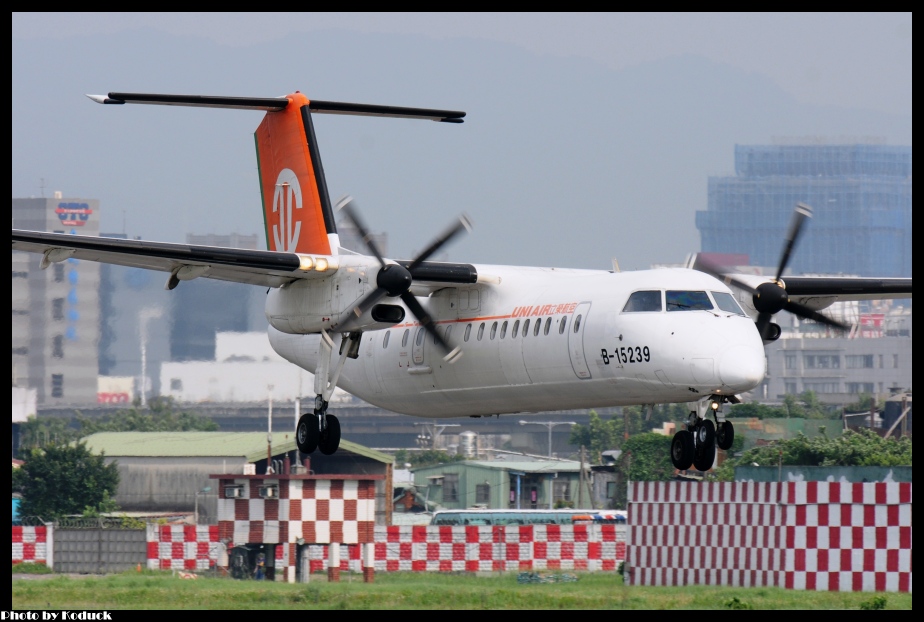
682 450
705 446
330 437
307 433
725 435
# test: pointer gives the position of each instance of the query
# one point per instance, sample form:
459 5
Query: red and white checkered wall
183 547
799 535
30 544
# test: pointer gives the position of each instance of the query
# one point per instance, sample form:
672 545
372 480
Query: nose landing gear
696 444
317 429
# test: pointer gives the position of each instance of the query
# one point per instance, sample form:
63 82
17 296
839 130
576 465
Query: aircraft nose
742 368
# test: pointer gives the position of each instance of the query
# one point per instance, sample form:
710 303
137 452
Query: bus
454 518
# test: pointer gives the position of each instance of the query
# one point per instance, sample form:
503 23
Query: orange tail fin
296 206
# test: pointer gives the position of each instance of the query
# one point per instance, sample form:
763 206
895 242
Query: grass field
162 590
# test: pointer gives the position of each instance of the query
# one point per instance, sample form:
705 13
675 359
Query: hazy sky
588 136
855 59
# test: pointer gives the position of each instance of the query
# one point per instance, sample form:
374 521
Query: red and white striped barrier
182 547
30 545
799 535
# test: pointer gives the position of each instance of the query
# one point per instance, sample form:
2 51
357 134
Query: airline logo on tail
286 199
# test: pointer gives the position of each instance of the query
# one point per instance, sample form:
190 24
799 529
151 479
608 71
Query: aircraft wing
185 261
818 292
188 261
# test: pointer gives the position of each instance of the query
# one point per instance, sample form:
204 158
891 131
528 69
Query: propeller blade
799 215
464 224
805 312
763 324
369 301
452 354
704 265
345 205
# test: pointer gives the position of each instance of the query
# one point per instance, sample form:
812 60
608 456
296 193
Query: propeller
771 297
395 280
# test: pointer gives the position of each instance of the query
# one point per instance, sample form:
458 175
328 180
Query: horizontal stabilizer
275 104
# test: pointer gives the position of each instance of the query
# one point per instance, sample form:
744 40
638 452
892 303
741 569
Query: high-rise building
860 195
56 315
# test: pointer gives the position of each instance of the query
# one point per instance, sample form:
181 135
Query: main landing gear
317 429
695 446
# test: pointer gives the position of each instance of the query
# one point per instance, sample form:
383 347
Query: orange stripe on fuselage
291 201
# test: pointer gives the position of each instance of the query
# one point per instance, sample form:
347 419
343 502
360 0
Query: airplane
535 339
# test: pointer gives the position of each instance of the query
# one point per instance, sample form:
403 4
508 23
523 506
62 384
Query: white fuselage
587 351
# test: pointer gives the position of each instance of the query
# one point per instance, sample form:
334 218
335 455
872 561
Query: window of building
791 388
611 490
57 385
57 346
790 361
881 361
57 309
894 361
643 301
860 387
822 386
20 274
561 491
59 272
450 486
859 361
176 384
822 361
483 493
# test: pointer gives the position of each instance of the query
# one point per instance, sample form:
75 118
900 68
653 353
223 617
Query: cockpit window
727 303
643 301
687 301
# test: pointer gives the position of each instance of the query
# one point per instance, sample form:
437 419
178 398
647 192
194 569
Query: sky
588 137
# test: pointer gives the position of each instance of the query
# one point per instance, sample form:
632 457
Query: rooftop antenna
42 186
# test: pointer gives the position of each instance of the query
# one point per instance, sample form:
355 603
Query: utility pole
269 432
581 481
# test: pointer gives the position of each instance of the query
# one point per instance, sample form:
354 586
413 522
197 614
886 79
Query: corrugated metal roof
249 445
523 466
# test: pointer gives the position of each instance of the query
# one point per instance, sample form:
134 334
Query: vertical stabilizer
296 205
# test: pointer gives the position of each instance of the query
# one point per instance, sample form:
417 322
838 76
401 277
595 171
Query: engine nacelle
308 306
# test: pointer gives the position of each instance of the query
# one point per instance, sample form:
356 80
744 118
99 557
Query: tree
645 457
62 480
158 417
851 448
427 457
600 434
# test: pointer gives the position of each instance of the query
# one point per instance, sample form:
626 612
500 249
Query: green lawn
163 590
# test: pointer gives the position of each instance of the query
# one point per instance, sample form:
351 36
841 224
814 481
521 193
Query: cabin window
385 341
548 325
420 336
726 302
407 332
562 325
503 330
577 324
468 332
643 301
516 327
525 328
536 329
494 331
481 331
687 301
447 333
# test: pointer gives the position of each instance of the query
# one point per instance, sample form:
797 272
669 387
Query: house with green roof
511 483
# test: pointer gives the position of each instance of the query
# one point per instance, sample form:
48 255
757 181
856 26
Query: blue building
860 195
